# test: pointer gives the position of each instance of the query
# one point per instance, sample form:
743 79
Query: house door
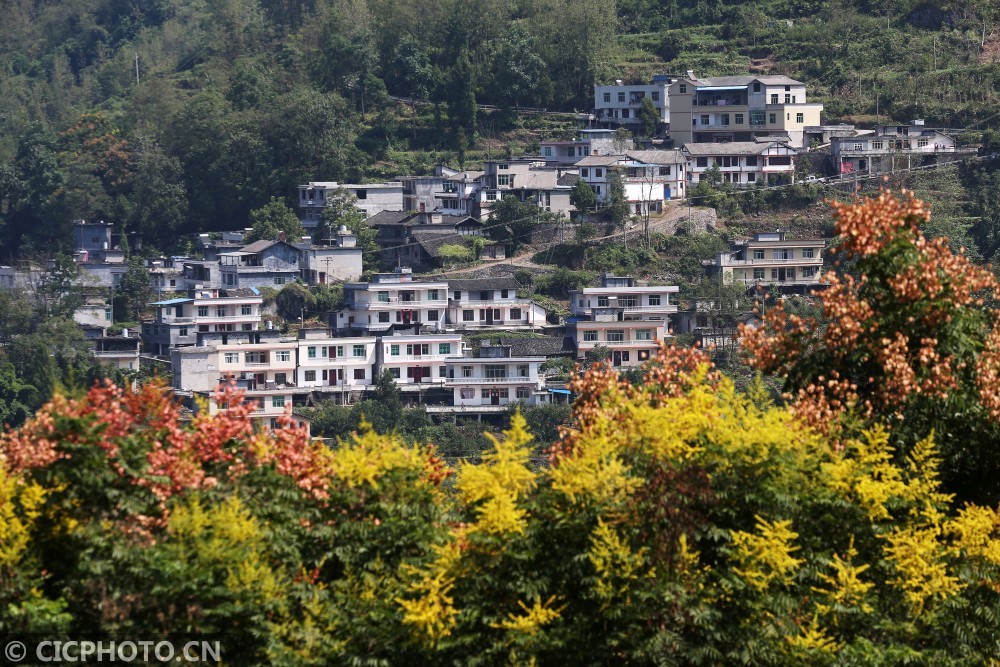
259 379
616 358
495 397
666 192
489 316
781 275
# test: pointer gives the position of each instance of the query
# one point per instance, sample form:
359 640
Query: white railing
496 381
770 260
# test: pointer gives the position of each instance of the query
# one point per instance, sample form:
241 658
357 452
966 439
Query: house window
584 172
359 350
383 297
758 253
394 372
277 401
246 310
494 371
503 166
616 335
504 293
751 177
774 98
682 88
782 253
809 272
774 274
468 392
921 143
183 332
644 334
621 97
598 173
756 87
202 311
800 118
283 355
310 376
522 370
725 119
758 274
704 119
311 352
654 299
361 194
625 113
444 348
808 253
393 350
232 357
468 316
756 118
432 295
589 336
383 317
280 280
515 313
664 171
597 190
739 119
467 371
432 316
547 151
788 98
359 374
503 179
607 97
772 118
877 145
655 95
702 162
524 393
458 295
751 160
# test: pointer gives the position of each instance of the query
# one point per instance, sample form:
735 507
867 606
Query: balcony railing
808 261
503 380
618 343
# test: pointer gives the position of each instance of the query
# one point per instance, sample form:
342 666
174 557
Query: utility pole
137 68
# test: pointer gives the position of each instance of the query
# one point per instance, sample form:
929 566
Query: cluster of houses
211 324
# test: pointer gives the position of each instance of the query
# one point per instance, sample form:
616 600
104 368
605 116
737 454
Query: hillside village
211 321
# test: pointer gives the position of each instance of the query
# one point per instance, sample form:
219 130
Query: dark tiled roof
568 179
240 291
258 246
477 284
547 346
389 217
431 242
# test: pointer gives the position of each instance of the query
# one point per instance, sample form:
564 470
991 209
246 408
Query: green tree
512 220
271 220
617 204
294 302
133 291
341 209
649 118
622 140
60 287
583 197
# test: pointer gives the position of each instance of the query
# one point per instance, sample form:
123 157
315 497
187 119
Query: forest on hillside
175 116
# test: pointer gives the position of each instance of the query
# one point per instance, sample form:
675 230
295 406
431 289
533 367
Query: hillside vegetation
174 116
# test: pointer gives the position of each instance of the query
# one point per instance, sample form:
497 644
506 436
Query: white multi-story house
742 163
494 378
740 108
459 194
627 317
417 361
372 198
491 303
794 265
528 179
649 177
262 364
588 142
391 300
120 352
619 104
335 364
894 147
179 321
261 264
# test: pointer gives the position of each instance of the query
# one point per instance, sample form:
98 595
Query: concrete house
626 316
398 230
740 109
341 366
619 104
260 264
894 147
491 303
793 265
420 193
335 262
372 198
525 178
650 177
391 301
742 163
179 321
588 142
492 378
459 194
417 361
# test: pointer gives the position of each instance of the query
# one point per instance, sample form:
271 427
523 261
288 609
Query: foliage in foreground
678 522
